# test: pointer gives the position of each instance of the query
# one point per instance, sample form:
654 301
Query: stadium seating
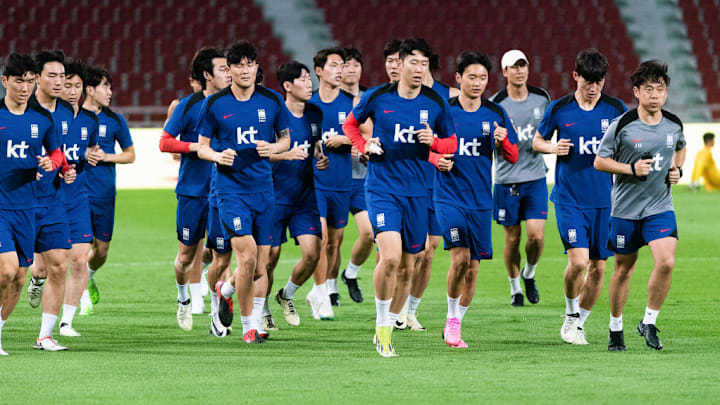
551 32
147 45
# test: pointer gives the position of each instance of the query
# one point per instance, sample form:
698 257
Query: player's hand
264 149
335 141
296 153
500 133
227 157
363 159
642 167
373 146
445 164
562 148
44 163
354 153
424 136
674 175
322 162
70 175
94 155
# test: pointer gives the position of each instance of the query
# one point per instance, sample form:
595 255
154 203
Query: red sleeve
509 151
351 127
168 143
57 157
434 158
445 145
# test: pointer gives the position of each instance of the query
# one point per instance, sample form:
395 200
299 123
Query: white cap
511 57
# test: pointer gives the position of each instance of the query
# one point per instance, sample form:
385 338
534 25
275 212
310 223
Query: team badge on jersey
454 235
64 125
314 129
604 124
423 116
83 134
486 127
261 115
34 131
537 113
572 235
237 223
621 241
102 131
670 139
341 117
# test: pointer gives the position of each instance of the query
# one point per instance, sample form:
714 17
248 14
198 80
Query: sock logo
621 241
572 235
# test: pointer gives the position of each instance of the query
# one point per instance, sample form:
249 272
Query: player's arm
171 109
506 139
205 152
542 145
676 171
125 157
281 144
174 126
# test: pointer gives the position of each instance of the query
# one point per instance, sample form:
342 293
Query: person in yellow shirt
705 166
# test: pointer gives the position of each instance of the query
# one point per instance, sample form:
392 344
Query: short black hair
202 62
47 56
707 137
468 58
94 76
259 76
288 72
353 53
241 50
320 58
408 46
75 68
650 71
17 64
391 48
434 62
591 65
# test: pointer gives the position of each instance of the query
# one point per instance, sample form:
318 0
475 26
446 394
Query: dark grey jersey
628 139
526 116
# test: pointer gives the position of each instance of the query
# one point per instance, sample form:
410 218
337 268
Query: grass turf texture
133 351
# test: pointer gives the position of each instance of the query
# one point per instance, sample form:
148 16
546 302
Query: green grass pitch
132 350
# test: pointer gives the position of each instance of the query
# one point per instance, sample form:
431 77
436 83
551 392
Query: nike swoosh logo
664 230
388 111
543 212
415 246
87 236
313 229
636 140
484 253
569 124
1 128
227 116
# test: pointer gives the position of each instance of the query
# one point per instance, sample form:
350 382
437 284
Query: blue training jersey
47 188
469 183
335 177
82 134
22 138
194 173
401 168
577 183
293 181
444 91
237 125
112 128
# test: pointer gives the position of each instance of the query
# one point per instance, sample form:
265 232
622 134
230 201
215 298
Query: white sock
351 271
514 285
382 309
91 272
413 303
289 290
47 325
321 289
452 304
529 270
650 316
266 308
246 323
227 290
462 310
392 318
584 313
332 286
214 302
572 305
196 290
85 298
258 304
183 294
616 323
2 322
68 314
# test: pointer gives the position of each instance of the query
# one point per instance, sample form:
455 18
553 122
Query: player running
581 193
405 117
521 189
242 122
100 179
463 196
645 149
210 67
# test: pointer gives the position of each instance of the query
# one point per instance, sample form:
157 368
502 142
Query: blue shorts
300 219
628 236
334 206
248 214
51 228
519 202
191 219
78 215
215 238
584 228
464 228
434 227
17 234
406 215
357 199
102 215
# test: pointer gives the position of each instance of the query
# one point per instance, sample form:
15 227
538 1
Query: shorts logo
670 139
380 219
34 131
186 233
341 117
261 115
454 235
486 128
501 215
604 124
83 134
537 113
64 125
621 241
237 223
572 235
102 131
220 242
423 116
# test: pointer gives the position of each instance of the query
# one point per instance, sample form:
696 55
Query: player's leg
102 212
56 264
421 277
261 286
183 265
511 256
303 270
618 292
361 250
76 282
335 237
384 281
459 266
245 251
8 273
535 229
38 277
